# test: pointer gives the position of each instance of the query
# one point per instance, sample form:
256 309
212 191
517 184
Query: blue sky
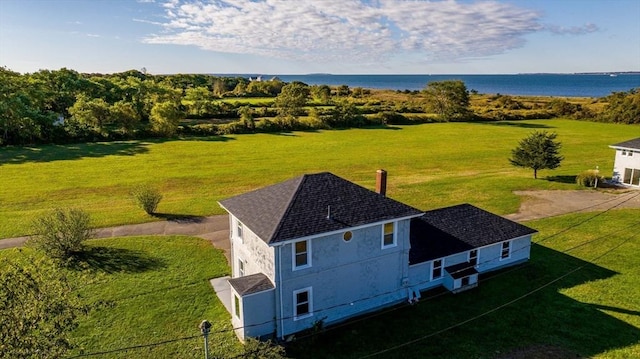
327 36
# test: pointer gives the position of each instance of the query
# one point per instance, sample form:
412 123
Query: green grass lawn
156 289
148 290
429 165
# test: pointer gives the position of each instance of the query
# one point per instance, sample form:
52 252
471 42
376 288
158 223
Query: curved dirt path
535 205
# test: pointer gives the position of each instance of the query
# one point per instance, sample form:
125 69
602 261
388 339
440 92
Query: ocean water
570 85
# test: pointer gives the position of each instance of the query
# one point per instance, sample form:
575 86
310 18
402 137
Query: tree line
63 106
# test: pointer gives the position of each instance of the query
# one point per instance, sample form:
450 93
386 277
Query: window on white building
240 230
240 268
303 303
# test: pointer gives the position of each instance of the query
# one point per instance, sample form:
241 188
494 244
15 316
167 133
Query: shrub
146 198
589 178
60 233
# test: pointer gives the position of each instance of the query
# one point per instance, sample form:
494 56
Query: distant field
429 166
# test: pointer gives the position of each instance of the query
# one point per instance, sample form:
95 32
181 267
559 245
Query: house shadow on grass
115 260
516 309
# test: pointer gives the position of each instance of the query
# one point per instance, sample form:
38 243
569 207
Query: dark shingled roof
251 284
461 270
298 207
635 144
456 229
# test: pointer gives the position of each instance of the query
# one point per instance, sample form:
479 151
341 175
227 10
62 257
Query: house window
301 255
436 271
347 236
388 235
239 230
465 281
236 302
631 176
506 250
240 268
303 305
473 257
624 152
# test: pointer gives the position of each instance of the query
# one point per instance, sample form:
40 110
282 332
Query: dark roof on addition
461 270
456 229
298 207
635 144
251 284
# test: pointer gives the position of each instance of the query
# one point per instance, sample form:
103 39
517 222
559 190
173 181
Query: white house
320 249
626 168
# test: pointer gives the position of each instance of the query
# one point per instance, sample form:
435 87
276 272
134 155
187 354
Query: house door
631 176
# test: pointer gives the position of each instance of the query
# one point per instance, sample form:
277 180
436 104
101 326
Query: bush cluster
589 178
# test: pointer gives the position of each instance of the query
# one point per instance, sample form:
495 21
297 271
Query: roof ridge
290 200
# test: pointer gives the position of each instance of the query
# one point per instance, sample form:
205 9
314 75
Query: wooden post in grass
205 326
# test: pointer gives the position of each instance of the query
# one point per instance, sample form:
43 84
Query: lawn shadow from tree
512 124
562 179
50 153
115 260
514 308
179 218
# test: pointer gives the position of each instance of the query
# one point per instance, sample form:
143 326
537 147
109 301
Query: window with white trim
302 303
473 257
505 252
301 254
389 235
436 270
240 268
240 230
236 302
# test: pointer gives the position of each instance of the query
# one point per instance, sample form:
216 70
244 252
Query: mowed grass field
578 296
429 166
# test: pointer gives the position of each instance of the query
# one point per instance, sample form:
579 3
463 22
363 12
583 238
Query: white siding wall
622 162
257 255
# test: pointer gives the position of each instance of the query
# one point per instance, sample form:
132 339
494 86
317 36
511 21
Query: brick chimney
381 182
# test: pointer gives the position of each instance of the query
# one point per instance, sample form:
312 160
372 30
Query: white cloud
347 30
573 30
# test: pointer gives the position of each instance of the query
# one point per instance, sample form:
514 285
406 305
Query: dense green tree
93 112
623 107
292 99
345 114
321 93
449 99
125 116
165 118
17 109
246 117
537 151
343 90
240 89
38 309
